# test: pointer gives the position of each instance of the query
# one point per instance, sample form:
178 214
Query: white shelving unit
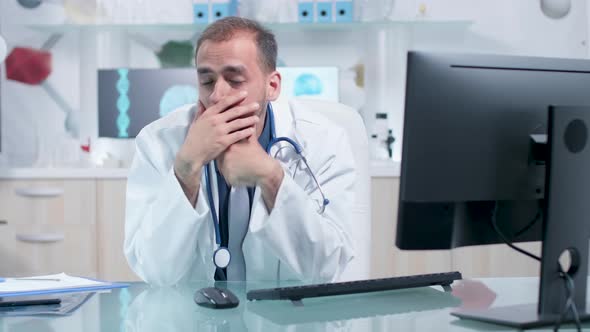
381 46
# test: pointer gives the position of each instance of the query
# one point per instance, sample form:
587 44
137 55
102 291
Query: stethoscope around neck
222 256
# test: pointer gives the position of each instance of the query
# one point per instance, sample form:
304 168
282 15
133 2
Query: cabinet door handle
3 222
41 238
40 192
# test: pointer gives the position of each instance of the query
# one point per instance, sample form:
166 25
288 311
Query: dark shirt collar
266 134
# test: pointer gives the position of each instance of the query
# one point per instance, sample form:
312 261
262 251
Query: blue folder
107 286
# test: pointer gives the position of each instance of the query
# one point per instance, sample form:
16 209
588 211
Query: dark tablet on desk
28 300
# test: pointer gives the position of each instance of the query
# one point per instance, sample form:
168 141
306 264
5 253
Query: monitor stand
567 197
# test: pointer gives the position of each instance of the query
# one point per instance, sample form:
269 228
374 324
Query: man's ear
273 87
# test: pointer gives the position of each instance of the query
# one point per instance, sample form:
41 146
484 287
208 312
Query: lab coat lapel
284 127
265 266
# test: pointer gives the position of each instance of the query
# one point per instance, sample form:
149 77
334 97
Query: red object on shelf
86 147
28 66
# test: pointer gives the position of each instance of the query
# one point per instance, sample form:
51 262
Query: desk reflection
173 309
354 312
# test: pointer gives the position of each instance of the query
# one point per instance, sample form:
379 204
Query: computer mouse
216 298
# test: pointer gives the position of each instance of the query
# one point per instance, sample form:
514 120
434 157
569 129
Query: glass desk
143 308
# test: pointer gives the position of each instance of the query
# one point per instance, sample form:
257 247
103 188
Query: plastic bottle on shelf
389 142
381 125
378 152
381 131
374 145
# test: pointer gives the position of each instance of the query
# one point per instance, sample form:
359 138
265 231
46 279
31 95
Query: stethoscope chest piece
221 257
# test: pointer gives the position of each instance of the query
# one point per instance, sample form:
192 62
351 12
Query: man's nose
221 90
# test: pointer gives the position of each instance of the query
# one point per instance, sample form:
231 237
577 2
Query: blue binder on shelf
53 284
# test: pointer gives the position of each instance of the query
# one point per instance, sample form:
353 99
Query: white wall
32 123
517 27
499 26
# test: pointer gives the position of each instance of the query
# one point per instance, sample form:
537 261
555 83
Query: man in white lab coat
267 206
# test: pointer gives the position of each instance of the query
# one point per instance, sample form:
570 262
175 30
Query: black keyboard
353 287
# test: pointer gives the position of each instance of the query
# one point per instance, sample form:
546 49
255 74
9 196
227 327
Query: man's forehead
239 41
240 50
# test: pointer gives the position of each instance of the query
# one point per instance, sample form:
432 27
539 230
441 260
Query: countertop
377 169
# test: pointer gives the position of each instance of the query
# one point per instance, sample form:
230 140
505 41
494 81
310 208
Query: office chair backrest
349 119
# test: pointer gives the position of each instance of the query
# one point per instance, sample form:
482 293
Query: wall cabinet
110 200
50 227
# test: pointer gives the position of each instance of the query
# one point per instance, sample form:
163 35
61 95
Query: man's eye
236 82
207 83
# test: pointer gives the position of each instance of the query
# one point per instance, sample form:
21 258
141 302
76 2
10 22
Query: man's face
226 68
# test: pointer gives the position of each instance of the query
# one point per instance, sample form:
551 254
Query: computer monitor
486 138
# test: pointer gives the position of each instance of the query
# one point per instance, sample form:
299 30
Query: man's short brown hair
226 28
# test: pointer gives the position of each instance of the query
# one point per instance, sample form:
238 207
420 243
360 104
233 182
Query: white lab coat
167 241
